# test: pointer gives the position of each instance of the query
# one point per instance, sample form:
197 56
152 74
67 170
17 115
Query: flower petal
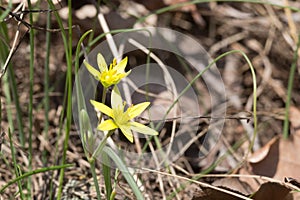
92 70
135 126
102 108
107 125
120 76
116 99
127 73
120 67
127 132
101 63
135 110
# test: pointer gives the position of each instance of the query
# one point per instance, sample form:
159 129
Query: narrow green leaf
122 167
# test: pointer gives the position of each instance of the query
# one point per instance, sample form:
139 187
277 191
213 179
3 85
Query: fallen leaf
274 191
261 154
234 184
294 117
213 194
268 190
282 159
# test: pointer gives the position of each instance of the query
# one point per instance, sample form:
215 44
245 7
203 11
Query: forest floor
235 166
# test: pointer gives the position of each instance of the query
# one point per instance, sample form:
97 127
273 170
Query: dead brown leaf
212 194
261 154
268 190
234 184
278 159
295 119
274 191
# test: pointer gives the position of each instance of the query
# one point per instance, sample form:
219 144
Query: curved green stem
37 171
289 91
202 72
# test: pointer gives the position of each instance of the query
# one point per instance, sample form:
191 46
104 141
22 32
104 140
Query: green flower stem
92 161
105 168
101 145
104 95
103 101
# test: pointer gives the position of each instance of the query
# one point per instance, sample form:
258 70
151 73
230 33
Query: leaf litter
263 32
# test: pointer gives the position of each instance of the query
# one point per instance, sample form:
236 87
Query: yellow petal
101 63
116 99
127 132
102 108
107 125
126 74
137 109
92 70
140 128
120 67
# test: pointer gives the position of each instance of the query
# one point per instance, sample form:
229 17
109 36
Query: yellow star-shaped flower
120 119
108 76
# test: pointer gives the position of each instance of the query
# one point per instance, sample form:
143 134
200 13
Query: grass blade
122 167
289 91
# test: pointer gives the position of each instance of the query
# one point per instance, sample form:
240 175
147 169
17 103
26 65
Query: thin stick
18 18
145 120
199 183
110 40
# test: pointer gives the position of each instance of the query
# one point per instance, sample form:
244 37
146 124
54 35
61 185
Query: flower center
110 77
120 117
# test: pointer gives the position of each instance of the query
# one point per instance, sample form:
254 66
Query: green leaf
122 167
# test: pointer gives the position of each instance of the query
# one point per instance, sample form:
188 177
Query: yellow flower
108 76
120 119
